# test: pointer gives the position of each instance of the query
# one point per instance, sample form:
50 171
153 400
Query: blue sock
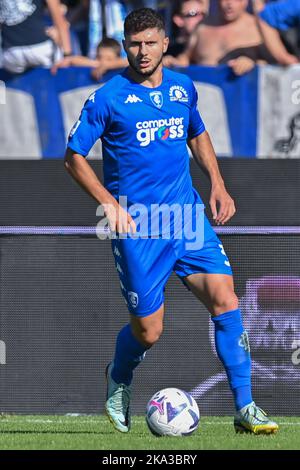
233 350
128 355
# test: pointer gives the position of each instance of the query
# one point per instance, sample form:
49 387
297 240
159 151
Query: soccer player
145 116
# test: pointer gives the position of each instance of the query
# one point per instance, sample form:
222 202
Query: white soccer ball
172 412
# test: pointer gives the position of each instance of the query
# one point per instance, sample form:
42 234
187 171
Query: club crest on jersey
178 93
157 98
133 299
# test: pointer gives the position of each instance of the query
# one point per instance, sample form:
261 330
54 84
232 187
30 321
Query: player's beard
144 73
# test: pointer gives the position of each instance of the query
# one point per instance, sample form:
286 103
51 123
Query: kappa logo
178 93
119 268
244 341
133 299
157 98
74 128
117 252
226 262
132 99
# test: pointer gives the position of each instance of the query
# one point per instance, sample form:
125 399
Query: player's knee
148 337
225 303
148 329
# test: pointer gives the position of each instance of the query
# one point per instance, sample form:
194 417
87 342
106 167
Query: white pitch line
96 421
231 422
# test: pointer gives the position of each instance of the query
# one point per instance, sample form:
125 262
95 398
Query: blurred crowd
88 33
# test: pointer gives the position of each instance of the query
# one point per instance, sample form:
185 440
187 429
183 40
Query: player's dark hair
112 43
141 19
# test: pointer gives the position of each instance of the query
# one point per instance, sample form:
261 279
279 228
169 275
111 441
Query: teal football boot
117 404
252 419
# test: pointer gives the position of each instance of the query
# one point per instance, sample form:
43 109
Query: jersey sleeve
282 15
196 125
91 125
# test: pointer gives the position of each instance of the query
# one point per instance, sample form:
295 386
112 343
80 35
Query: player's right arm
77 166
93 122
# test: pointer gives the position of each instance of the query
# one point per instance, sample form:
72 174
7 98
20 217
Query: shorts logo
157 98
178 93
133 299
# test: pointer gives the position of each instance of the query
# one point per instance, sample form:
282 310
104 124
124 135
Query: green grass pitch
91 432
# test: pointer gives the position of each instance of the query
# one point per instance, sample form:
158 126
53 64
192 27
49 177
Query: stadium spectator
78 17
53 33
24 40
163 7
186 17
105 20
108 58
280 22
233 38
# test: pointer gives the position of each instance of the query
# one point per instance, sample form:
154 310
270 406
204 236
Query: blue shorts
144 266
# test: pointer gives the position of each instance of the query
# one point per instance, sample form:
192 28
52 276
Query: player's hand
241 65
226 209
120 221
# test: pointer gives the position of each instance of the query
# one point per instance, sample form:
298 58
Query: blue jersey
144 133
282 15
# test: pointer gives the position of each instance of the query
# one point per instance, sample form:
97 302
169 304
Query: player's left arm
221 204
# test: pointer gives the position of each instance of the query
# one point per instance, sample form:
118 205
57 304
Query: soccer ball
172 412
